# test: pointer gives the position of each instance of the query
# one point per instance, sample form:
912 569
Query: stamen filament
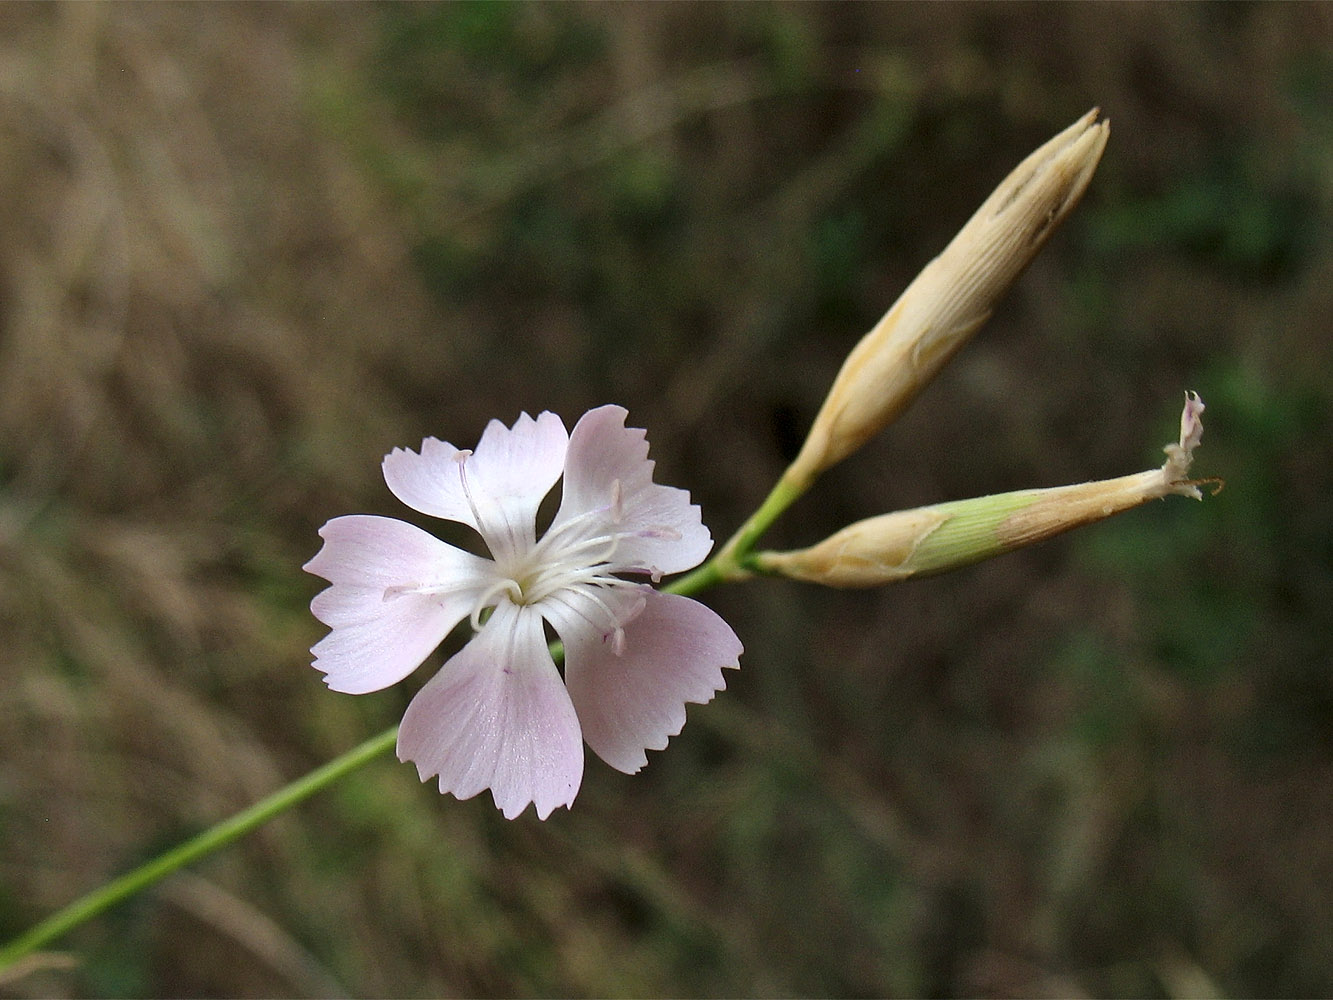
485 600
617 630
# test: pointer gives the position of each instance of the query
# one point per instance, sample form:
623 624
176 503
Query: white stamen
487 599
616 632
461 458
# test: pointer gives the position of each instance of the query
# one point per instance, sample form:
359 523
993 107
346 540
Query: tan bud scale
945 536
951 297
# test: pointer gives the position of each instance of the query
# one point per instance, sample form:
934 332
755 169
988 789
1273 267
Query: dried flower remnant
951 298
945 536
498 715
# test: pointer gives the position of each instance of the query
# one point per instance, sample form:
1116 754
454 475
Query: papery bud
951 297
932 539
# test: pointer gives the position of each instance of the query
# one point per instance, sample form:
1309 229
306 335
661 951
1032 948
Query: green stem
730 562
212 839
701 578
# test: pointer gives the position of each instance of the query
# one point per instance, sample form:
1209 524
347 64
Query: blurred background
245 250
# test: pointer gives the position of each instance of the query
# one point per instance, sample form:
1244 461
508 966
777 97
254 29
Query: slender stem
733 560
730 561
210 840
701 578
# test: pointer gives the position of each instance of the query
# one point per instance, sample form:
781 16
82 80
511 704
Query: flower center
575 564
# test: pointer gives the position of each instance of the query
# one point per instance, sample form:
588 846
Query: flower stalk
211 840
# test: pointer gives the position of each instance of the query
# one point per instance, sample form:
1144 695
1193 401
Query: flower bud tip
1179 456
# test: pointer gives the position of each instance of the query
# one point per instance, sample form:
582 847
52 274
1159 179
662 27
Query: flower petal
396 592
674 652
497 716
429 481
508 474
607 468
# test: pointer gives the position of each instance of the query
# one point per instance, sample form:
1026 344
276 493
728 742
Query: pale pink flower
498 714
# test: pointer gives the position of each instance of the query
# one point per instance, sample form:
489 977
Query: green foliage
1215 217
